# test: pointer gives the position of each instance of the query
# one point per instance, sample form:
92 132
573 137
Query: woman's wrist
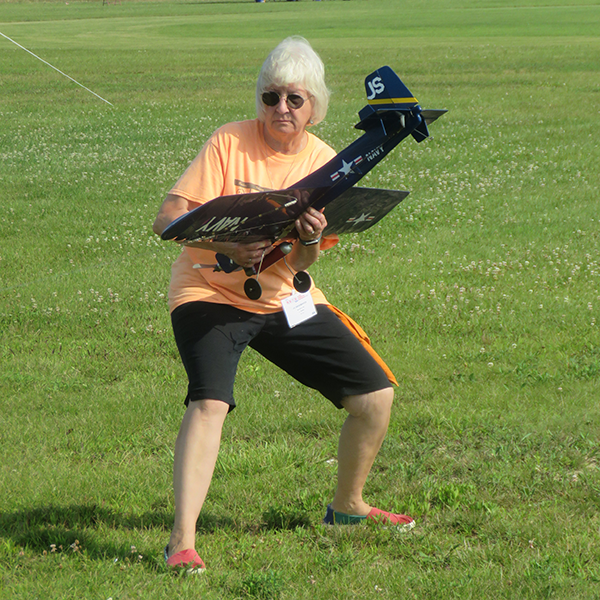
310 242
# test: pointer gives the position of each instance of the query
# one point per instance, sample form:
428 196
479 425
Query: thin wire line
47 63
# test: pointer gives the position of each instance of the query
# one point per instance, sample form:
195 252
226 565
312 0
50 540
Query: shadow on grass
80 526
284 519
92 528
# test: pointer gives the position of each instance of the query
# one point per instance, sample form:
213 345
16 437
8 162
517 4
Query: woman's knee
207 410
378 403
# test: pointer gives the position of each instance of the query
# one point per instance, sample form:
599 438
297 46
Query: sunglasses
293 101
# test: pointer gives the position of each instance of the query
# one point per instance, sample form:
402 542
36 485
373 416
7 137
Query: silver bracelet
310 242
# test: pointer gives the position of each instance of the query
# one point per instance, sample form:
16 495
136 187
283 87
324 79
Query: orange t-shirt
235 160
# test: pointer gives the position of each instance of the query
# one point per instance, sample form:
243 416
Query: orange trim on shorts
363 338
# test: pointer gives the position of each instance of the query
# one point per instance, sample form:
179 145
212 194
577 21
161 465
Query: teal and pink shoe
381 517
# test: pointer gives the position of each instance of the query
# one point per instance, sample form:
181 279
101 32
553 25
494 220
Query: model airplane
391 115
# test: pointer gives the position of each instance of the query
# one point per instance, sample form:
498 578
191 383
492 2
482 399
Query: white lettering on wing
229 223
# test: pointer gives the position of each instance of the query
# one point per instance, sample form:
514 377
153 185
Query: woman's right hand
244 255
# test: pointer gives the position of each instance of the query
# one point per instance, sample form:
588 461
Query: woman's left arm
310 226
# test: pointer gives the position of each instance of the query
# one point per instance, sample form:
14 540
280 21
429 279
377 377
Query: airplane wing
243 217
357 209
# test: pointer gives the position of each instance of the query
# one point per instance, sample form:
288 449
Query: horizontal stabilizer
421 132
430 114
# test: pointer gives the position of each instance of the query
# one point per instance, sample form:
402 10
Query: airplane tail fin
386 96
385 91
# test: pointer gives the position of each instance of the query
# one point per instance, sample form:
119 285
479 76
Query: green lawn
482 291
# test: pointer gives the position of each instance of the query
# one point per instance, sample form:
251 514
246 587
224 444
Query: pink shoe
186 559
390 519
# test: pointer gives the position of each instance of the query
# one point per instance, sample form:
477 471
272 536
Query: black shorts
321 353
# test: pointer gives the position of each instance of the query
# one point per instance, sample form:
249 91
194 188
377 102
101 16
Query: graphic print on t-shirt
243 187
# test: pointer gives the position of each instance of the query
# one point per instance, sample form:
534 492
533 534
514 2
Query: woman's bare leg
196 451
360 440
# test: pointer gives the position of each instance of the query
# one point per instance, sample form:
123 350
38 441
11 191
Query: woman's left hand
310 225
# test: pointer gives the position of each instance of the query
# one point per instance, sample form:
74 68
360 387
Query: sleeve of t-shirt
203 180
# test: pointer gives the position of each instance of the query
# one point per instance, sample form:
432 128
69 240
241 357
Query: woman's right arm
244 255
172 208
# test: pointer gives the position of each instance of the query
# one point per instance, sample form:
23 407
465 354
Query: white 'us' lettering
376 86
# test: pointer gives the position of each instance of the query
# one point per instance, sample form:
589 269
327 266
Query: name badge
298 308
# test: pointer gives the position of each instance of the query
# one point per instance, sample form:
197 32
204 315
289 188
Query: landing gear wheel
253 289
302 281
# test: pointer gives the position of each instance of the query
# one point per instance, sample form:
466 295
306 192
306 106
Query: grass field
482 291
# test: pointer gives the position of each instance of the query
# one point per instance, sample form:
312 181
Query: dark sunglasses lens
270 98
295 101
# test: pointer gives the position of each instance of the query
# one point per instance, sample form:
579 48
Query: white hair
294 61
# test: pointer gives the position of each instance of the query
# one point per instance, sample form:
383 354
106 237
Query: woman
213 320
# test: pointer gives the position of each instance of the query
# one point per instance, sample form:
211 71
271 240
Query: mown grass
481 291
